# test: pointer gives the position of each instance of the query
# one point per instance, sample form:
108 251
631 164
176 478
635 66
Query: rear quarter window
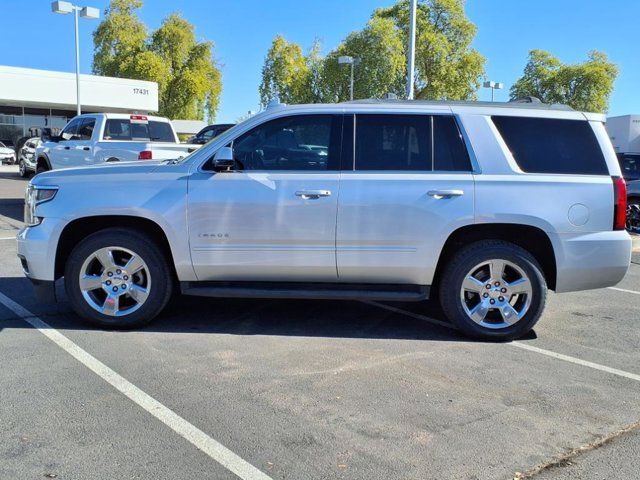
550 145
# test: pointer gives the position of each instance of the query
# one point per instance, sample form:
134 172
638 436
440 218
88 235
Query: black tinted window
292 143
548 145
117 129
449 151
124 129
71 129
393 142
630 166
86 128
160 132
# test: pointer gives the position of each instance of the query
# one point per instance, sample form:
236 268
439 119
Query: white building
33 99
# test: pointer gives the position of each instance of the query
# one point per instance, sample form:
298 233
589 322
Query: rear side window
549 145
123 129
449 151
409 142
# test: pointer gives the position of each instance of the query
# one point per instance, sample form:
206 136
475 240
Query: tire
633 214
153 283
112 159
22 169
459 301
41 166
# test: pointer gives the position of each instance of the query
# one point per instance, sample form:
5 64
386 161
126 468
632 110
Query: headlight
34 196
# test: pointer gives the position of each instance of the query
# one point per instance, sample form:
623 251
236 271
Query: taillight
145 155
620 203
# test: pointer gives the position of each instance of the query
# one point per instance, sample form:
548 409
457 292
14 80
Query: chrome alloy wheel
496 293
115 281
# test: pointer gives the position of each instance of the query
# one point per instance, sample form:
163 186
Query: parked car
481 206
7 154
27 156
97 138
630 165
209 132
633 207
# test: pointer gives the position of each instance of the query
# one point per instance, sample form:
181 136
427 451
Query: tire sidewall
450 291
147 249
22 169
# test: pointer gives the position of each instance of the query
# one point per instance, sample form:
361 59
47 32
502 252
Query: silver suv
482 206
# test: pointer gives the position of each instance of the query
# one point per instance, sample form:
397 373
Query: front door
409 188
274 217
80 150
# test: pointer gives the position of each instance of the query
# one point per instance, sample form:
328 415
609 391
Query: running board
315 291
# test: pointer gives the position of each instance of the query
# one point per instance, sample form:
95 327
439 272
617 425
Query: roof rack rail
526 102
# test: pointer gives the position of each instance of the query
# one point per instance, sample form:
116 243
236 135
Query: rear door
408 187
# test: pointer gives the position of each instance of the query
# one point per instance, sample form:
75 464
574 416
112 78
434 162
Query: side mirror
223 159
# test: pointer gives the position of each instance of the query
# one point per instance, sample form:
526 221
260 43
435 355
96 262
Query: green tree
446 66
381 67
285 73
189 82
584 86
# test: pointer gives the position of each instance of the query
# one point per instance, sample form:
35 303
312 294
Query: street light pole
493 86
411 52
347 60
75 18
85 12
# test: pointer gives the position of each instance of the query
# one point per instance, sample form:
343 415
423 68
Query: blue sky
242 31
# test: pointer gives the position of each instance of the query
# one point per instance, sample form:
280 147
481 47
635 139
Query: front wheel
493 290
22 169
118 278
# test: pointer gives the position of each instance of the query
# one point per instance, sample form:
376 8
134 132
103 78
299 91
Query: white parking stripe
577 361
189 432
624 290
541 351
8 238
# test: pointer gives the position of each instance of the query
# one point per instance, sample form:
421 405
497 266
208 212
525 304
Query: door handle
86 148
439 194
67 148
313 194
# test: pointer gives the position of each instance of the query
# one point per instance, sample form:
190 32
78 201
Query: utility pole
412 48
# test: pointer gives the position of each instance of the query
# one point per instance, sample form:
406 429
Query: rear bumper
591 260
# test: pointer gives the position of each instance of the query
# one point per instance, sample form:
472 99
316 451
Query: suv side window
449 150
393 142
71 130
299 142
85 132
409 142
551 145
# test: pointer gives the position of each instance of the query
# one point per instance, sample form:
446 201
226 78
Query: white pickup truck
96 138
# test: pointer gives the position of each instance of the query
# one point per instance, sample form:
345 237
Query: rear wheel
22 169
633 214
493 290
118 278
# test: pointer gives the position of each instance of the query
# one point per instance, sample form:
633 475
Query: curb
636 243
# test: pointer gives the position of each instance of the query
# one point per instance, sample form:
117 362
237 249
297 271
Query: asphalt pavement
221 388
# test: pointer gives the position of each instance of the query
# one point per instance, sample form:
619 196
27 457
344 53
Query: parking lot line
624 290
524 346
182 427
8 238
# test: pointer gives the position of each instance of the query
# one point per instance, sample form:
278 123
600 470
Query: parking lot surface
313 389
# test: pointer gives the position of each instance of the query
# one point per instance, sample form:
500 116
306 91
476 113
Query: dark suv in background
209 132
630 166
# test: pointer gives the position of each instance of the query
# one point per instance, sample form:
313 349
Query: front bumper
591 260
37 252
